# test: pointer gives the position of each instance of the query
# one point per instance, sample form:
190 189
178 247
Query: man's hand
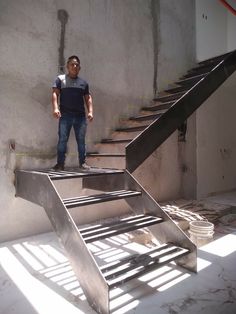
90 116
89 105
57 113
55 107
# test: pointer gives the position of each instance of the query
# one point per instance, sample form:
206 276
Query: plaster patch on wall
40 93
155 9
62 16
15 154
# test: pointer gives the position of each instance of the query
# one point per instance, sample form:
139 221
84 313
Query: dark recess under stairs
39 186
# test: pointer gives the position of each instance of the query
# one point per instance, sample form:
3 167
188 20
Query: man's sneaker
58 167
84 166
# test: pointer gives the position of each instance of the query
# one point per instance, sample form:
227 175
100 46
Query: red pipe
228 6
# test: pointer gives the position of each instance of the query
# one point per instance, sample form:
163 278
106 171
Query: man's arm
89 104
55 105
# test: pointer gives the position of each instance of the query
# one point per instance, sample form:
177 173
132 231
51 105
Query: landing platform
74 172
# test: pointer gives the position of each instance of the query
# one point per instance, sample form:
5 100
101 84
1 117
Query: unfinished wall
176 44
216 142
114 42
126 47
172 166
211 29
231 26
215 118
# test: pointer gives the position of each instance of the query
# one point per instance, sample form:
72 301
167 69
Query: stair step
97 154
146 117
99 198
103 231
192 80
115 141
214 59
169 97
119 272
201 70
132 128
204 66
77 173
194 74
177 89
162 106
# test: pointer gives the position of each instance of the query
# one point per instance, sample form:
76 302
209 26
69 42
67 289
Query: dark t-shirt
72 92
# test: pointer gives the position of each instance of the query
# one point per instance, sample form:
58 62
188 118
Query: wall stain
62 16
40 93
15 153
155 13
225 153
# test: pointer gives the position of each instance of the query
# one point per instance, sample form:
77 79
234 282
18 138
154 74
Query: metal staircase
163 117
39 187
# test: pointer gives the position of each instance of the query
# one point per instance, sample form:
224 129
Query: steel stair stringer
97 282
39 189
167 231
188 102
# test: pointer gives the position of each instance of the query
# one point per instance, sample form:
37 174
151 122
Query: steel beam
39 189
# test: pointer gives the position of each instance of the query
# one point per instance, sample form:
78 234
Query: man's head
73 66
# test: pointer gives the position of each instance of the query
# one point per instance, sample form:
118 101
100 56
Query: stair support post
167 231
39 189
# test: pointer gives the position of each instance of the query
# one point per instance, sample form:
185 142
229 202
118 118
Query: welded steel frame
164 232
167 231
158 131
39 189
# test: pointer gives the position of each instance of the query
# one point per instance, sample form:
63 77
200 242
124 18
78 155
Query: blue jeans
79 124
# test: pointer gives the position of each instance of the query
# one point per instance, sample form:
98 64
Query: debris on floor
142 236
183 211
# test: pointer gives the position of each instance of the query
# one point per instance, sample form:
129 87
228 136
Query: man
73 92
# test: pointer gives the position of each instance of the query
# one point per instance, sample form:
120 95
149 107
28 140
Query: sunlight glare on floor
123 303
221 247
43 299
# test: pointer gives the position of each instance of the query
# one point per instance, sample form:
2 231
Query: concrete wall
122 46
216 141
231 26
211 29
114 42
173 164
215 29
176 44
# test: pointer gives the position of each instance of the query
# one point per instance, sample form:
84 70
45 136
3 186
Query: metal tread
203 67
97 154
118 226
158 107
98 198
204 71
132 128
121 271
93 171
215 59
177 89
166 98
115 141
146 117
191 81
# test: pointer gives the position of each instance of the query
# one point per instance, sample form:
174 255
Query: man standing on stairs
71 92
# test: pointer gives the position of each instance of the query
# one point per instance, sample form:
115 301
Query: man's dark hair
73 57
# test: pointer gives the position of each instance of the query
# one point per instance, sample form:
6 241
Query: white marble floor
35 277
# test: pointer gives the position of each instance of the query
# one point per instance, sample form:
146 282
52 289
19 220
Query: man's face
73 67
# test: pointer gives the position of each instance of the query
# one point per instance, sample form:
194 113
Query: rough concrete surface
35 277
